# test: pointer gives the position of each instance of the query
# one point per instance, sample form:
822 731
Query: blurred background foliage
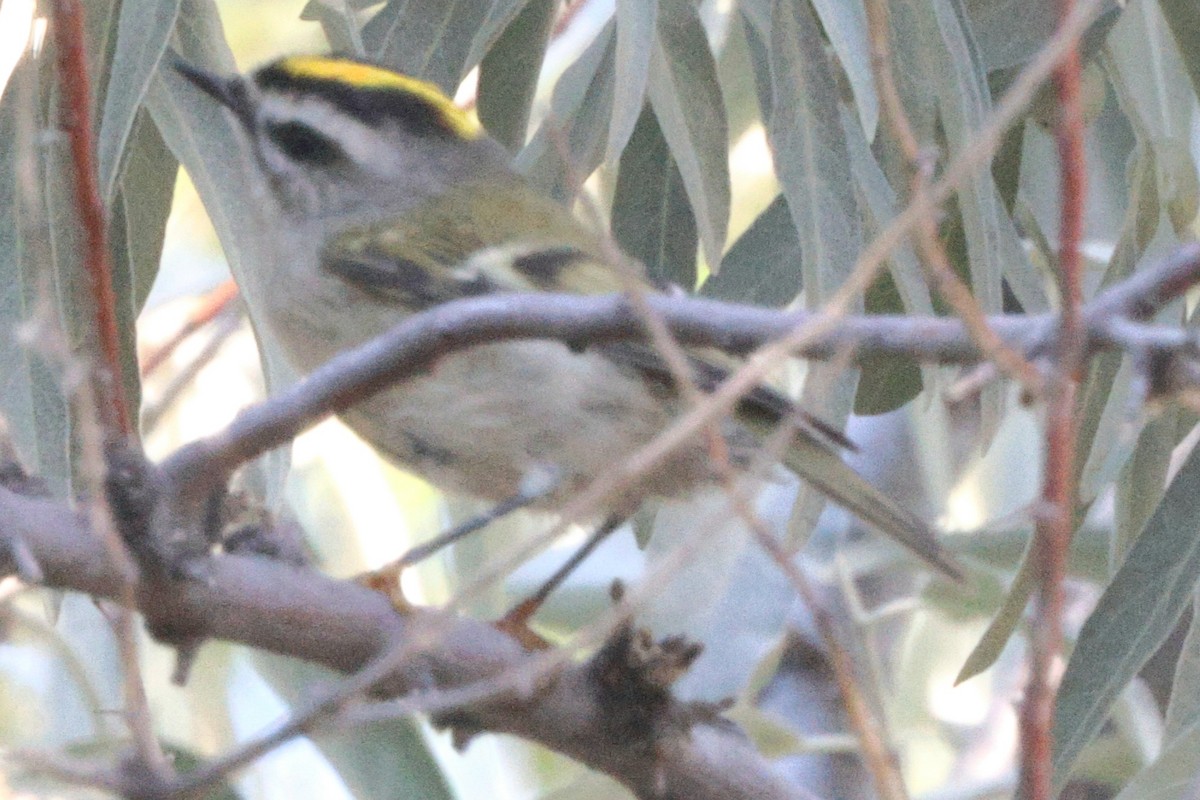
736 148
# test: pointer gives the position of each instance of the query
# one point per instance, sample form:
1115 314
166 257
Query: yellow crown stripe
368 76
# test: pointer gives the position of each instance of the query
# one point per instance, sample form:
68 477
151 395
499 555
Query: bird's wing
433 257
812 454
462 243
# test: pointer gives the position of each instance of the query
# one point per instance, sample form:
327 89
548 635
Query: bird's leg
515 620
386 579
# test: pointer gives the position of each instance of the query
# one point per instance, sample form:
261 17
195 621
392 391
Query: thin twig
211 306
227 324
945 280
1052 535
873 747
93 219
101 408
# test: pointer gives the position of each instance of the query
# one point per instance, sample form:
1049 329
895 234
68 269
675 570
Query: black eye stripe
302 143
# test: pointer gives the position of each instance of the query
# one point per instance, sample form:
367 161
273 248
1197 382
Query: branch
1060 491
1113 320
93 218
682 752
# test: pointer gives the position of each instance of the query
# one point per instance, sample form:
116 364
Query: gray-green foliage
654 100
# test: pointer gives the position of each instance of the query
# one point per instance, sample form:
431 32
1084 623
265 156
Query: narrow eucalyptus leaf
1143 480
877 203
509 73
1104 420
686 96
635 43
758 39
1183 18
845 24
569 144
427 39
651 217
148 189
142 31
219 161
964 100
1172 773
1155 93
810 152
31 400
339 21
763 265
1183 710
1137 611
122 289
887 382
1005 621
499 16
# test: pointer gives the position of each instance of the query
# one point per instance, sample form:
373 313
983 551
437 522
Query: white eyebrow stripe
360 142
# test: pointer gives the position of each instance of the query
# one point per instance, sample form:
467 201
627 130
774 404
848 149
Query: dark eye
301 143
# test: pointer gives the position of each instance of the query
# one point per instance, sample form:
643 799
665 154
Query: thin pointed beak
229 92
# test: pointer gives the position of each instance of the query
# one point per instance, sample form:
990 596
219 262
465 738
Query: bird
392 201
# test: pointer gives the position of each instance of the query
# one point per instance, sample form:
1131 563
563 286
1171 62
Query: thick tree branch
681 753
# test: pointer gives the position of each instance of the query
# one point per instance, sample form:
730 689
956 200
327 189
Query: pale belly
483 420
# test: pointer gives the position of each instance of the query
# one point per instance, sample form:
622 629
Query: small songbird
392 201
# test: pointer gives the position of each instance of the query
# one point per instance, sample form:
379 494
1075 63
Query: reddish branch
1054 528
93 219
211 306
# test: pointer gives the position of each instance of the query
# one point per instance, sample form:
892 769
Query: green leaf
509 73
147 188
1183 710
31 400
877 203
686 96
763 265
1143 480
635 44
887 381
964 100
143 27
569 144
136 232
499 16
1133 617
756 24
1183 19
1010 32
428 39
651 217
1002 626
845 24
810 152
813 166
339 21
1157 96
